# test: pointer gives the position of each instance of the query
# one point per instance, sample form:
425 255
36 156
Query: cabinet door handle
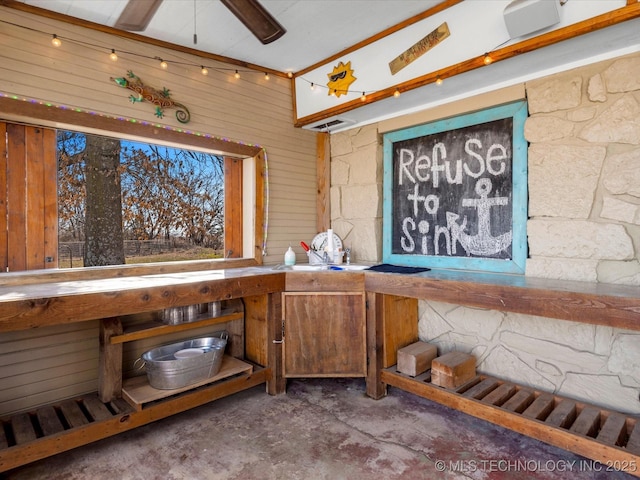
278 341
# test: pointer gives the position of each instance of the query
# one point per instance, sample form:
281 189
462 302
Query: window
121 201
31 240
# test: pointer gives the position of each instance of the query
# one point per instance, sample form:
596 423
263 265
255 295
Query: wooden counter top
586 302
39 304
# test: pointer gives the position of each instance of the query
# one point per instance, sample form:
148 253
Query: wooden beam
110 360
134 36
623 14
593 303
4 248
323 168
51 308
51 115
233 214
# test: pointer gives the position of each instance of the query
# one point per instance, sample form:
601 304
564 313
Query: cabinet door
324 334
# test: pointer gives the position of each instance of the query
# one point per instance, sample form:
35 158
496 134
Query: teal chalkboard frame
516 264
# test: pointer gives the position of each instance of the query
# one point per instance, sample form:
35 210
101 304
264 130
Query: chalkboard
455 192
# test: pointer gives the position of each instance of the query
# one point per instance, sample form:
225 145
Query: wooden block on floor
614 430
563 415
540 408
416 358
453 369
587 422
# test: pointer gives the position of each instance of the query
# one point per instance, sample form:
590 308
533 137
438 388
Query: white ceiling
319 29
316 29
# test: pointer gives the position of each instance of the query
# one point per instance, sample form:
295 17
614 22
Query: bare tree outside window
129 202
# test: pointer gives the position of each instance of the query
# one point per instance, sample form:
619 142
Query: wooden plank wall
233 207
51 362
29 239
249 110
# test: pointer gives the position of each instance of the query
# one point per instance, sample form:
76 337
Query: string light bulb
487 59
266 76
396 93
363 97
204 70
312 87
439 81
164 65
237 74
55 41
290 74
113 55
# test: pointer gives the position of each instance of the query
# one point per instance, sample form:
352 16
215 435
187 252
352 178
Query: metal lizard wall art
160 98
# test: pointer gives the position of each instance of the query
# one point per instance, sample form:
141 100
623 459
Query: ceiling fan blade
137 14
256 18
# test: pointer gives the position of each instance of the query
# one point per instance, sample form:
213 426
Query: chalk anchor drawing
160 98
483 243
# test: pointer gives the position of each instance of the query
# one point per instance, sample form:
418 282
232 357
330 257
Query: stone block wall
356 192
584 224
584 173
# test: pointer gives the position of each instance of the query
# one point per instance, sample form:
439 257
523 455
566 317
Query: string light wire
112 51
204 69
164 63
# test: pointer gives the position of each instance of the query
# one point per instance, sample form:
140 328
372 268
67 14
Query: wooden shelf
87 419
599 434
154 329
137 391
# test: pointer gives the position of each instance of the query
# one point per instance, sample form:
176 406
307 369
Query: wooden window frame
517 111
245 178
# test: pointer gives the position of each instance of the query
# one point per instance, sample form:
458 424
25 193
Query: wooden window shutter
28 198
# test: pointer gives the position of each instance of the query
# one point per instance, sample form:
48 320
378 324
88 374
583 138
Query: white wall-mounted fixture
330 124
527 16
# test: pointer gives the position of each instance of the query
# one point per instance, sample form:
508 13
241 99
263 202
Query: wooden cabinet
324 334
324 325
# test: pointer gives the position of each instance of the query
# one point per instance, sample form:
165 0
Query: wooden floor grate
590 431
51 420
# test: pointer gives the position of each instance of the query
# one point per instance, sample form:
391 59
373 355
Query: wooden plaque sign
455 192
419 49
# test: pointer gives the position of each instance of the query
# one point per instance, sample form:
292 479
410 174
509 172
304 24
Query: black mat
386 267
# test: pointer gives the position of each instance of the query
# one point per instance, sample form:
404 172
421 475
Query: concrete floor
322 429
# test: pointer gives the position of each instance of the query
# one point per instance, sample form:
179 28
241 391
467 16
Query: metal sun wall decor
160 98
340 79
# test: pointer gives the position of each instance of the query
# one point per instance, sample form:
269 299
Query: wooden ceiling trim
629 12
69 118
396 28
136 37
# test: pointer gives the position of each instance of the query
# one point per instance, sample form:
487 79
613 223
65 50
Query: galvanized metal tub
184 363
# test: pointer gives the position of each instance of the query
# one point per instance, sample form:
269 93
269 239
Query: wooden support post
278 383
399 326
375 343
235 329
110 364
